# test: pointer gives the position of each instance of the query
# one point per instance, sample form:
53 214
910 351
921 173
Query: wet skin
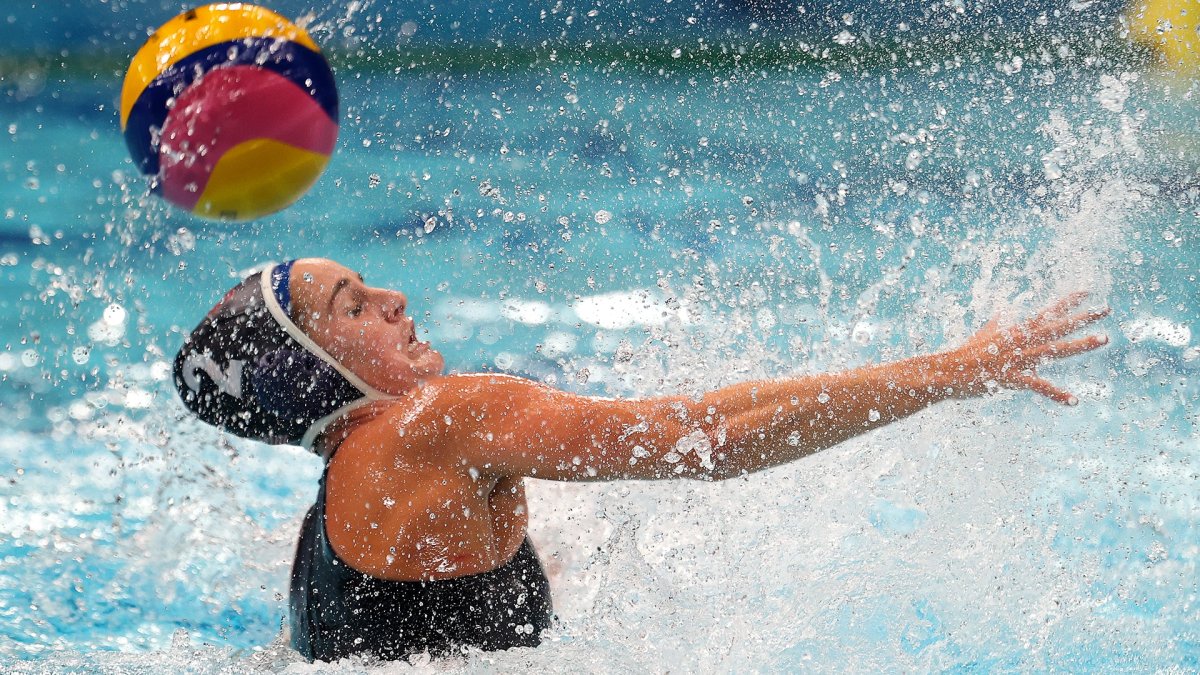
397 505
429 485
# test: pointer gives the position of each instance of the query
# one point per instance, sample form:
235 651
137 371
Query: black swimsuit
337 611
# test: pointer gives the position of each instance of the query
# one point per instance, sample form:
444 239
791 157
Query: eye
354 311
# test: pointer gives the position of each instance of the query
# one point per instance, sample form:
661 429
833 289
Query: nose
392 305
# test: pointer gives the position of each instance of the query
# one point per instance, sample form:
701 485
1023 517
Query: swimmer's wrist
955 375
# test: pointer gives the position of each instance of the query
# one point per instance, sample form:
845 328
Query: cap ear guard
271 295
295 384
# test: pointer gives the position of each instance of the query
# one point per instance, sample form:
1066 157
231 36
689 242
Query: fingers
1040 338
1063 327
1059 309
1045 388
1066 348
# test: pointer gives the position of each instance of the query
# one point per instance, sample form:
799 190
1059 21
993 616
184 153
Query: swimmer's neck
341 429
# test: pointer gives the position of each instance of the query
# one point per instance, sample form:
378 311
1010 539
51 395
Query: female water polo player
417 541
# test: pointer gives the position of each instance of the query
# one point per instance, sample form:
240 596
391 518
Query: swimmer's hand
1001 356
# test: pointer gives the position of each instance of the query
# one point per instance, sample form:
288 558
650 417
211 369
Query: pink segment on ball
225 108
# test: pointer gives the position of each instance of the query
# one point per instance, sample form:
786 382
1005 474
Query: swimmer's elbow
693 457
735 460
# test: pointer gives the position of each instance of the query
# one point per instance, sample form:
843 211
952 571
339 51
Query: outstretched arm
507 426
780 421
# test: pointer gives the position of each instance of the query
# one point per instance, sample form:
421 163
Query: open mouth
411 343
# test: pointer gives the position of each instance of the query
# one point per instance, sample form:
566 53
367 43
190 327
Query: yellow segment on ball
1168 26
257 178
197 29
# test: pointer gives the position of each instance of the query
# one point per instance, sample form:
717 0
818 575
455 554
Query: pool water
635 228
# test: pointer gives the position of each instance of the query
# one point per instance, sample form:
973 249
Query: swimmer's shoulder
452 391
442 406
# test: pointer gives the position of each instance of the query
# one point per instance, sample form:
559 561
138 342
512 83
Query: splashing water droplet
115 315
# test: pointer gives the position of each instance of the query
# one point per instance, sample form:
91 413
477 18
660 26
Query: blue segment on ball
306 68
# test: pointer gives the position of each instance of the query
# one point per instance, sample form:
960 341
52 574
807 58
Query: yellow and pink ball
232 111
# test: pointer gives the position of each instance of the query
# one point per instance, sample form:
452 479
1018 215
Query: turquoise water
633 229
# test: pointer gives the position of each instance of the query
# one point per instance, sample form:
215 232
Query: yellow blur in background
1170 28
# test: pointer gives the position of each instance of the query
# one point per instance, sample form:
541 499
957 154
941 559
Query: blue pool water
631 228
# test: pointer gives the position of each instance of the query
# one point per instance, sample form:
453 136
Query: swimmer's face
366 329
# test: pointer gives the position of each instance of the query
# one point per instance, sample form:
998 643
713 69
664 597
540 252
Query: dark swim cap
248 369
